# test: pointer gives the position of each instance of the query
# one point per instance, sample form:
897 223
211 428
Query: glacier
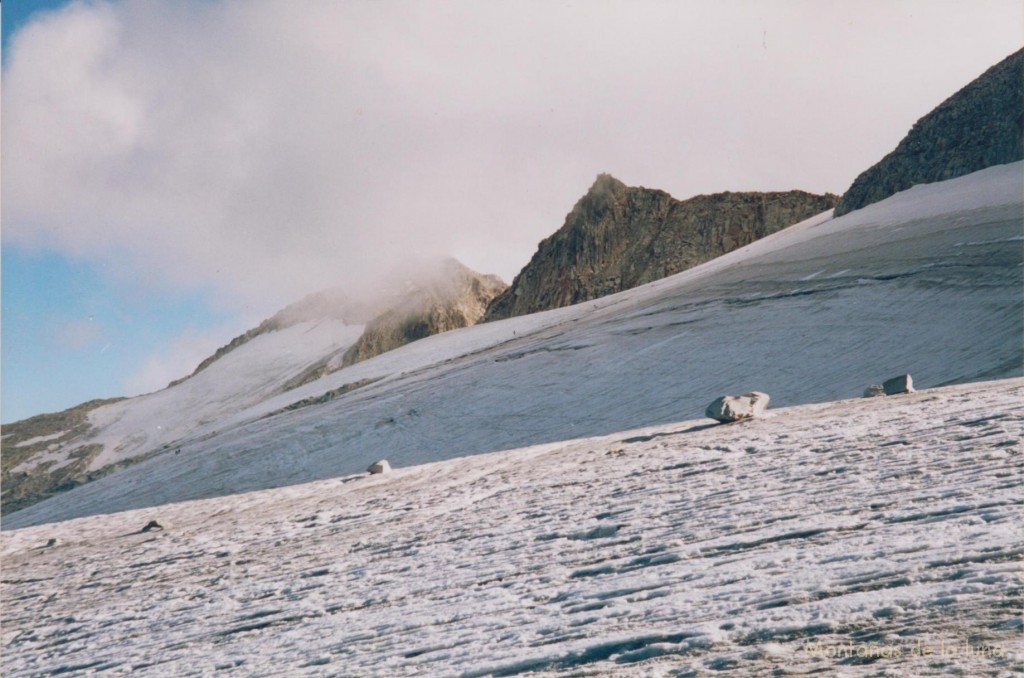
927 281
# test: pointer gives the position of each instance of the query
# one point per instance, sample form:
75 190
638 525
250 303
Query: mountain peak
447 295
617 237
980 126
605 183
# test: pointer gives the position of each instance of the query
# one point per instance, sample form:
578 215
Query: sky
174 171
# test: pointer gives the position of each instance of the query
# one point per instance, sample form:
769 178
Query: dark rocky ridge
453 298
979 126
618 237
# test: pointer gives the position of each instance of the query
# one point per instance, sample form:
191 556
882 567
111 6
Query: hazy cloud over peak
265 149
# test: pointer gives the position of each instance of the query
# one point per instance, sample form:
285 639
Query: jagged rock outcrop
453 297
979 126
618 237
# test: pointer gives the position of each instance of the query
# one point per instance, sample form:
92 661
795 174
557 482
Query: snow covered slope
300 343
846 538
928 281
243 377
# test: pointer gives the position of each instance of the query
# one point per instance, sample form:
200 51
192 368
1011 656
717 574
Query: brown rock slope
979 126
618 237
453 297
36 436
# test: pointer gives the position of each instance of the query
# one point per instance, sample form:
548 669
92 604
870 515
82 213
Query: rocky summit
453 297
618 237
980 126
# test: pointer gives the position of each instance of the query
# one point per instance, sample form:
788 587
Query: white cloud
165 366
265 148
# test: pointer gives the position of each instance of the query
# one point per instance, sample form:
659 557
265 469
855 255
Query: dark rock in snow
381 466
898 385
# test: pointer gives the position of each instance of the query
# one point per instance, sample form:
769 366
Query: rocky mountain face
454 297
618 237
979 126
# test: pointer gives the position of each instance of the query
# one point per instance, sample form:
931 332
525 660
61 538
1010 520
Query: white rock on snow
734 408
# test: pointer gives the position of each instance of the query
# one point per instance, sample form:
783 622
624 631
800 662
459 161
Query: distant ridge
331 303
979 126
52 453
618 237
454 297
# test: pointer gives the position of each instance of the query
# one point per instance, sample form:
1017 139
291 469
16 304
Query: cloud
174 362
267 148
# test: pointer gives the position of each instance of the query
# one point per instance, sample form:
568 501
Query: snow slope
880 528
241 378
928 281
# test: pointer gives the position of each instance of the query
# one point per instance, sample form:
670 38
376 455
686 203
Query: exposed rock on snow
451 297
33 438
874 391
734 408
381 466
897 385
152 525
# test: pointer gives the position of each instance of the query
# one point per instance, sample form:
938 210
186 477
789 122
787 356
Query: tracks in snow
676 549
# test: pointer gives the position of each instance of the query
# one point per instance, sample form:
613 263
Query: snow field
680 549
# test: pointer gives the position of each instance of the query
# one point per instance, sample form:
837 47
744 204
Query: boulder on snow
734 408
898 385
381 466
874 390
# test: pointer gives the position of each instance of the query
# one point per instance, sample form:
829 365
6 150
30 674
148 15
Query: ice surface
680 549
813 313
245 376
